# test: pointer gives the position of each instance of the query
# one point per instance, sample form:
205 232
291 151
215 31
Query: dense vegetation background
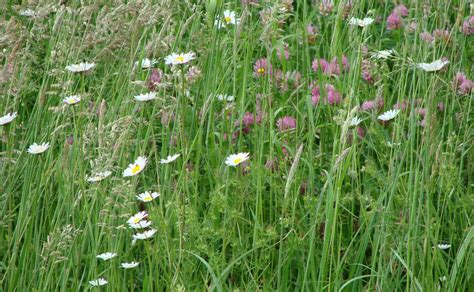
331 198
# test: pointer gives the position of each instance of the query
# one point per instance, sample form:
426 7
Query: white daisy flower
361 22
129 265
81 67
106 256
169 159
145 235
228 18
138 82
146 63
236 159
389 115
98 282
140 225
7 118
443 246
98 176
136 167
137 217
433 66
73 99
28 12
38 148
181 58
393 144
146 97
355 121
384 54
147 196
225 97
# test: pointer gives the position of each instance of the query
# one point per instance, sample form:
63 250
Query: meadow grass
322 204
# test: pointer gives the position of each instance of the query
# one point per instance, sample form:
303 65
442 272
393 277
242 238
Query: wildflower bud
283 52
262 68
249 2
401 10
422 112
193 74
401 105
458 79
155 78
394 21
442 35
367 105
102 108
332 96
423 122
346 10
303 188
466 87
312 32
426 37
440 106
326 7
413 26
468 25
272 164
286 123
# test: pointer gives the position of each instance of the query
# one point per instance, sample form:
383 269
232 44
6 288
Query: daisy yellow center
136 220
147 198
136 168
227 19
237 160
261 70
180 59
72 100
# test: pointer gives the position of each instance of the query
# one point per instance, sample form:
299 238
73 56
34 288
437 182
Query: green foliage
319 207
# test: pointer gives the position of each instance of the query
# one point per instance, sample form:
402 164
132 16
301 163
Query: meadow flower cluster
236 145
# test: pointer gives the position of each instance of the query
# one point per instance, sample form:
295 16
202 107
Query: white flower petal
81 67
181 58
129 265
443 246
225 97
98 176
28 12
98 282
385 54
7 118
145 235
170 159
146 63
135 219
73 99
38 148
361 22
236 159
136 167
389 115
355 121
433 66
146 96
106 256
140 225
148 196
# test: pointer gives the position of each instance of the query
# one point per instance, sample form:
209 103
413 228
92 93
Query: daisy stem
182 105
